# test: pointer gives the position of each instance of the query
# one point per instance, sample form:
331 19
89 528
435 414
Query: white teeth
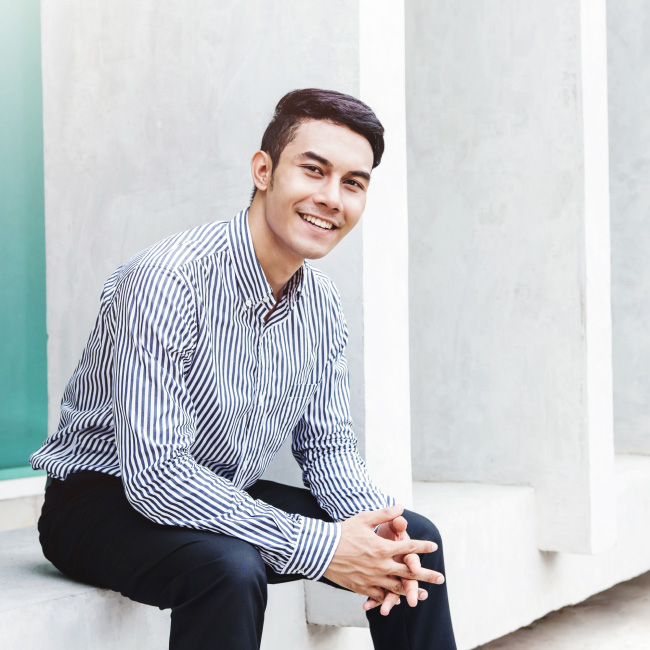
316 221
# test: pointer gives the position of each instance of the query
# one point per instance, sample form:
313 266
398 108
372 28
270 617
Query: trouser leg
215 585
428 625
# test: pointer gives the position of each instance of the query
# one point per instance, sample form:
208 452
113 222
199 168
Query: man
210 348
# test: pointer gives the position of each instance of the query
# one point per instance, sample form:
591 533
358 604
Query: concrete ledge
20 512
42 609
498 579
20 501
14 488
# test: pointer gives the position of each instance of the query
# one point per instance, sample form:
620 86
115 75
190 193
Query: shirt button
249 303
266 299
261 400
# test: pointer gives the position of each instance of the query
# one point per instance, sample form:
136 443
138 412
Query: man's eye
354 183
312 168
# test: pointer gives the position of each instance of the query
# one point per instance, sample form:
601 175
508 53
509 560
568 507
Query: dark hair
298 106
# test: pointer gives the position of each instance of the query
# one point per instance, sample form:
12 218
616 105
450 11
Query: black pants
215 585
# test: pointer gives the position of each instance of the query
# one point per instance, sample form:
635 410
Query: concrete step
499 581
497 578
20 501
616 618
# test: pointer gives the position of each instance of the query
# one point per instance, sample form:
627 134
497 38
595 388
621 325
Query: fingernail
440 580
434 546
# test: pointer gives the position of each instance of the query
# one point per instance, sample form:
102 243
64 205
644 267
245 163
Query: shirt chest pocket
294 405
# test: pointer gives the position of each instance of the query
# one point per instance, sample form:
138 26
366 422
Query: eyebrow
323 161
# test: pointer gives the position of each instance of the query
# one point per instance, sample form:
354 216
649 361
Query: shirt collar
296 286
253 285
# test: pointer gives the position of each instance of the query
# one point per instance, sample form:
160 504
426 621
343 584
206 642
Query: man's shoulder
170 256
322 288
186 247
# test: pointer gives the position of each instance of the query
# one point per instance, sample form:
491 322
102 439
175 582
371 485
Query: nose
329 194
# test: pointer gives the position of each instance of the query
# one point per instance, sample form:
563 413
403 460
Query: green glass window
23 337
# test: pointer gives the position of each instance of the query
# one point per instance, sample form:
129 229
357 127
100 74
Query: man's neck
278 267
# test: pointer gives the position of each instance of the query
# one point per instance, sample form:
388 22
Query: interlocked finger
389 602
393 585
412 561
408 546
377 594
421 574
411 591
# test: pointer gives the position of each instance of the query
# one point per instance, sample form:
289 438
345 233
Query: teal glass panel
23 337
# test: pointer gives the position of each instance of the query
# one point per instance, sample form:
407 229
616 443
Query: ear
261 168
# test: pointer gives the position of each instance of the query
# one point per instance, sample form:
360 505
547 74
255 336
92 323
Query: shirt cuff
315 548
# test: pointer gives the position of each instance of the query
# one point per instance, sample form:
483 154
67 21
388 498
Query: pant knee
236 577
419 527
245 568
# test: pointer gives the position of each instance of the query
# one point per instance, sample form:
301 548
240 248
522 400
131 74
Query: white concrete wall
509 291
628 26
152 111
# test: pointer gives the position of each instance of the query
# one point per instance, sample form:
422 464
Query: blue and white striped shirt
186 392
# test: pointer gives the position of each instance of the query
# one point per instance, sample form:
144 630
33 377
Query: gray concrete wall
152 112
628 26
508 382
495 199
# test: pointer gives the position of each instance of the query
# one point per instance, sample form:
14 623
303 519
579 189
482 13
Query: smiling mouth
324 225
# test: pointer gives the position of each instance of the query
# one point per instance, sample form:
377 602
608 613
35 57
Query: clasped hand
382 566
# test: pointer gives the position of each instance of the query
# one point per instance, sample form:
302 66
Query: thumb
376 517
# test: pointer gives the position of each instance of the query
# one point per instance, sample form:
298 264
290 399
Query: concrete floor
616 619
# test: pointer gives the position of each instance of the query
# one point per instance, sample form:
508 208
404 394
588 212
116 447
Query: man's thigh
91 533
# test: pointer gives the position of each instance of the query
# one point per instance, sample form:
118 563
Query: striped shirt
186 393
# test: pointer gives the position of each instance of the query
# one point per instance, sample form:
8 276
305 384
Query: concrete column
385 253
628 22
509 243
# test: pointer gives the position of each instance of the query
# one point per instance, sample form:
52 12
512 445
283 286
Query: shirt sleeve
325 445
154 342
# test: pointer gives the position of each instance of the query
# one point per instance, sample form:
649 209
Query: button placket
246 465
261 395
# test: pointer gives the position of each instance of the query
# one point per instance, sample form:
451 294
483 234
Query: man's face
318 191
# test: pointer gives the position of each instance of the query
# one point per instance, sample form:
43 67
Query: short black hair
305 104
